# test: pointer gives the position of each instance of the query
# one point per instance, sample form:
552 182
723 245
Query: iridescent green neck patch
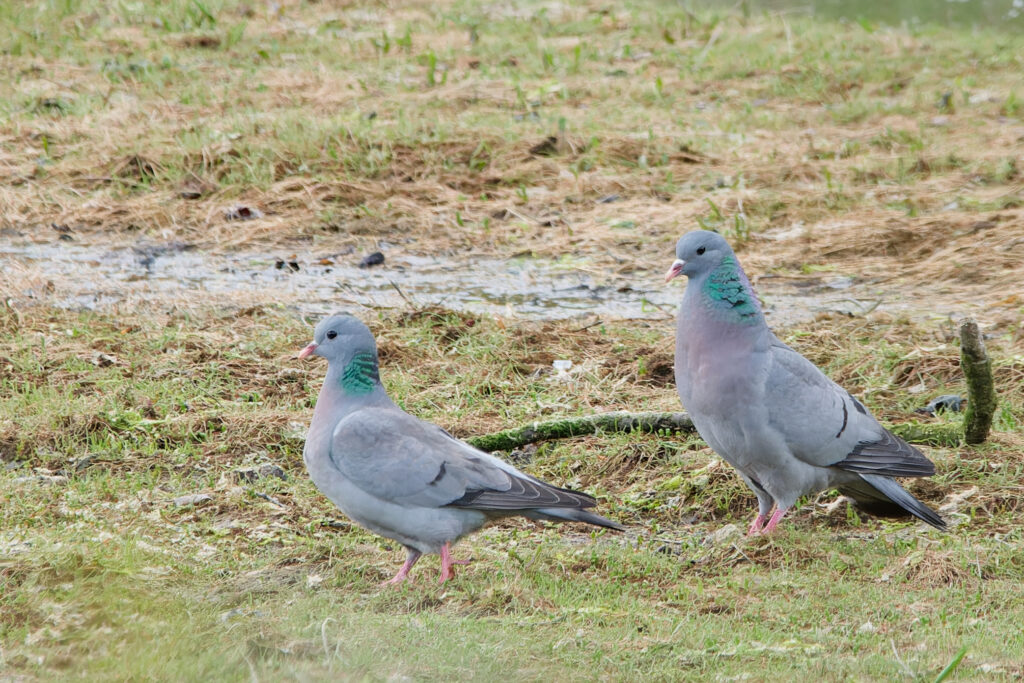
360 376
729 294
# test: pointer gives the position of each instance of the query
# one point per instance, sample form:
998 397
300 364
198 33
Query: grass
821 149
101 565
421 126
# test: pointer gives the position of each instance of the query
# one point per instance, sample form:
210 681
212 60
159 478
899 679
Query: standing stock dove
769 412
404 478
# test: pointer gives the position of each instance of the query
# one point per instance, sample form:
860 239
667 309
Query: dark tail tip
574 515
608 524
598 520
898 495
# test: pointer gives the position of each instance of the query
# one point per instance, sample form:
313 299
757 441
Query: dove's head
339 338
697 253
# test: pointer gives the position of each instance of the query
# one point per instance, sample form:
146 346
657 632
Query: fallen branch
981 393
913 432
928 434
582 426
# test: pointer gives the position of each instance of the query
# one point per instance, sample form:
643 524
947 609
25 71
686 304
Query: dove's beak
673 272
307 352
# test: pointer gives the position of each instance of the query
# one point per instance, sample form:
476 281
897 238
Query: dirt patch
647 365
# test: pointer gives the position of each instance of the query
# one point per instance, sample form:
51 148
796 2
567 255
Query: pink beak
673 272
307 352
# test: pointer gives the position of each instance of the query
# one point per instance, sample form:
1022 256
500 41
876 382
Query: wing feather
826 426
890 456
399 458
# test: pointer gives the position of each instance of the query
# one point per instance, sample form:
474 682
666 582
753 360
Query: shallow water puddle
96 278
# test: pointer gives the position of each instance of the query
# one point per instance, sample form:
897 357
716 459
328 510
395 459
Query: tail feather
882 493
572 515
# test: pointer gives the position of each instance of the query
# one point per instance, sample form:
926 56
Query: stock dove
404 478
769 412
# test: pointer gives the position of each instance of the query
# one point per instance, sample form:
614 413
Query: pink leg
447 570
755 526
774 521
410 559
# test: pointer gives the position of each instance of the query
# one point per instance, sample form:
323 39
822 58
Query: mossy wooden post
981 394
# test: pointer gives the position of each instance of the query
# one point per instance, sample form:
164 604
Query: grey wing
397 457
523 492
826 426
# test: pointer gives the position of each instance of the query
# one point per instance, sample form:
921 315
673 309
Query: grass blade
951 667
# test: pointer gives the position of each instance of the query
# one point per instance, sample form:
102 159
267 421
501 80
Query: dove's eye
700 250
332 334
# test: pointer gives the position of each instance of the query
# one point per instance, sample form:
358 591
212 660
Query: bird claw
447 572
397 579
755 526
403 573
773 522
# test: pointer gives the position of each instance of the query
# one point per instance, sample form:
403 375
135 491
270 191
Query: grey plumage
404 478
787 428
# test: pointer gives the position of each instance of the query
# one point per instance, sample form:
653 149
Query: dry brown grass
816 188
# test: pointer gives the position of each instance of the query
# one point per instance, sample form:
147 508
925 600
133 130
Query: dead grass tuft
136 168
930 567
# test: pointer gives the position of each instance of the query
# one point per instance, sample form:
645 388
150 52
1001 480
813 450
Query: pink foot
755 526
774 521
398 578
403 573
447 570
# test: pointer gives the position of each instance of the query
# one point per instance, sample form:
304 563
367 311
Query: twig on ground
622 421
581 426
401 293
587 327
270 499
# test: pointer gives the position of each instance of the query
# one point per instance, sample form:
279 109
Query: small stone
192 499
727 534
290 374
955 501
48 479
242 213
103 360
82 463
249 475
371 260
271 470
867 627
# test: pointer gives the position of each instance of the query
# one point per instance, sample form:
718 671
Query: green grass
104 576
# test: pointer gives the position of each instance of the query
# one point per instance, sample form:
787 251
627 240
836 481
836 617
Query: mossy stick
580 426
981 393
913 432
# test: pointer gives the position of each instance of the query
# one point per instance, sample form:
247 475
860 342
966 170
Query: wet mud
77 276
